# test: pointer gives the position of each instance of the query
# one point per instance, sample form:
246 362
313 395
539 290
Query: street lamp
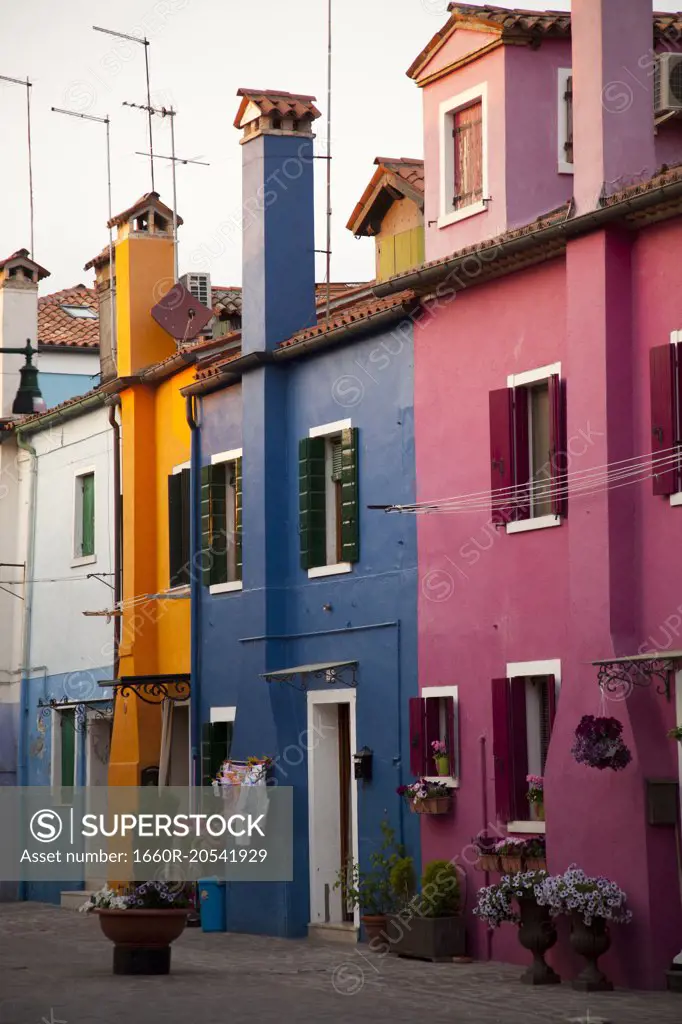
28 397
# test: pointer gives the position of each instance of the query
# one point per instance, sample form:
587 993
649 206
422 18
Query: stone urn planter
142 938
438 939
537 934
591 941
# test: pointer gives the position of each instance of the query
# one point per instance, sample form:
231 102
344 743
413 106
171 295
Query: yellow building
391 211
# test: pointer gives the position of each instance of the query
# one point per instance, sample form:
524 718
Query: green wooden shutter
213 525
175 528
350 509
186 538
311 492
88 514
67 722
238 558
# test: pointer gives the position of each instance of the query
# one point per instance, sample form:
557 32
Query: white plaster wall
67 361
18 321
12 543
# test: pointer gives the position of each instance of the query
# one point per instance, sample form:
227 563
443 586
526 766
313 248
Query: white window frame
563 165
77 532
338 568
233 586
551 667
676 339
446 691
516 380
446 110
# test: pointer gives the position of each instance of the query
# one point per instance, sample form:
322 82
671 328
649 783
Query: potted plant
536 930
599 744
536 795
440 757
509 852
141 924
487 858
372 890
430 926
592 904
676 733
425 797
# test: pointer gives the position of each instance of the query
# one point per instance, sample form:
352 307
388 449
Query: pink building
551 349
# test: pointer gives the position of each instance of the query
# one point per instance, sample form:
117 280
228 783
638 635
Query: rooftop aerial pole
143 41
106 122
27 85
329 153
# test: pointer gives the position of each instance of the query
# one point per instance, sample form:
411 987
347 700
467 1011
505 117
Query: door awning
342 673
620 675
153 689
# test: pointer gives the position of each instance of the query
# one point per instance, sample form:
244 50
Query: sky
200 53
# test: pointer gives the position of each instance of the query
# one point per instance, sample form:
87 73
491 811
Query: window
565 121
433 716
463 156
524 709
665 372
216 742
81 312
221 522
528 450
84 539
179 500
328 499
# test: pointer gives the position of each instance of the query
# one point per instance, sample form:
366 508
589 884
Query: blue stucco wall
58 387
373 617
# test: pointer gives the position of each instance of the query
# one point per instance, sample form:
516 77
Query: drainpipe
28 610
195 590
113 403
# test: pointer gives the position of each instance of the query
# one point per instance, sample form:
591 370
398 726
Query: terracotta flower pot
431 805
591 942
374 925
537 934
142 938
488 862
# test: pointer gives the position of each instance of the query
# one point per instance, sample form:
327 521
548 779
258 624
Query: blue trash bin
212 905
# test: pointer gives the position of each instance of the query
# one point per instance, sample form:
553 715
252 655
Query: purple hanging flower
599 744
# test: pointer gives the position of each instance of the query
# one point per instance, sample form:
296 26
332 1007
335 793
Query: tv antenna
168 112
28 85
143 41
106 122
329 155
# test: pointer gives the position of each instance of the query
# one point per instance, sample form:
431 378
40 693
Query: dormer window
463 153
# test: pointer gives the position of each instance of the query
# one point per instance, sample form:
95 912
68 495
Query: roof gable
394 179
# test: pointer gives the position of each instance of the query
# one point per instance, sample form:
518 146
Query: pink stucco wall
602 583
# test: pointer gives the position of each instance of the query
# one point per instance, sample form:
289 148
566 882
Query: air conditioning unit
668 83
200 287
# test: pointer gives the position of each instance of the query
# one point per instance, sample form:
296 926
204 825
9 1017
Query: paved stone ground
55 968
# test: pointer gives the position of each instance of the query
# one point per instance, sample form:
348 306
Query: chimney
278 232
613 97
19 278
106 296
143 258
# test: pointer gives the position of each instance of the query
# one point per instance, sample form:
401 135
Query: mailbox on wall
362 762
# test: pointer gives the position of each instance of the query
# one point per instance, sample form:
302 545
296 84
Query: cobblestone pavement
55 968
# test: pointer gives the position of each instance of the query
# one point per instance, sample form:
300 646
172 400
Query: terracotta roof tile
57 327
665 177
101 258
401 173
22 254
288 104
149 198
405 167
362 310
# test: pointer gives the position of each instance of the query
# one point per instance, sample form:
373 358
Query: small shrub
440 896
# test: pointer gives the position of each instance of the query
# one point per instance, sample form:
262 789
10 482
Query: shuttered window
433 718
524 709
528 451
467 134
329 499
568 102
665 371
179 502
221 522
84 540
216 741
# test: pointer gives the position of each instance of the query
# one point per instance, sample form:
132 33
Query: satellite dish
181 315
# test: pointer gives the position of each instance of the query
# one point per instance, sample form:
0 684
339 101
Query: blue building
297 432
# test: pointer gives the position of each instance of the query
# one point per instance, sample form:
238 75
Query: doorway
332 804
97 746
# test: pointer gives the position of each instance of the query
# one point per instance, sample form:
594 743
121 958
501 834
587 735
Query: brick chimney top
269 111
19 268
147 216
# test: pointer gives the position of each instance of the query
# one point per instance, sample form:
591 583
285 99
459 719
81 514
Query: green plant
372 890
402 879
676 733
440 896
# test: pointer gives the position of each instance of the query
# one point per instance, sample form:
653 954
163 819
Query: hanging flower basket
425 797
599 744
432 805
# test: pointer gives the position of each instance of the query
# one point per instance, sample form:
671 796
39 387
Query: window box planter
438 939
488 862
510 864
431 805
534 864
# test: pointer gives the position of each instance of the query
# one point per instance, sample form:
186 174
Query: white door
97 747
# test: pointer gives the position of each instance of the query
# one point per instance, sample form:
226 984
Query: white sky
201 52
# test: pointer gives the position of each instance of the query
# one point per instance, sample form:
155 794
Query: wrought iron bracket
153 689
618 678
102 709
343 675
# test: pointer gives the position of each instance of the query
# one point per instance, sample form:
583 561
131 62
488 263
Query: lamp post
28 397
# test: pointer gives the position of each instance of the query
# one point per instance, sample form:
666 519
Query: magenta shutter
417 737
432 719
502 749
501 471
451 737
521 453
663 415
519 747
551 700
557 443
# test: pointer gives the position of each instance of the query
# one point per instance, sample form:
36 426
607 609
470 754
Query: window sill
565 168
445 220
539 523
84 560
446 780
172 592
530 827
329 570
676 499
226 588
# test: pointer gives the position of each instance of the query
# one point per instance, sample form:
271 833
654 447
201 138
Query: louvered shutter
451 735
238 557
213 524
186 538
557 443
312 504
432 722
547 716
468 143
175 528
664 414
350 509
417 713
568 100
519 746
502 478
520 453
502 754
